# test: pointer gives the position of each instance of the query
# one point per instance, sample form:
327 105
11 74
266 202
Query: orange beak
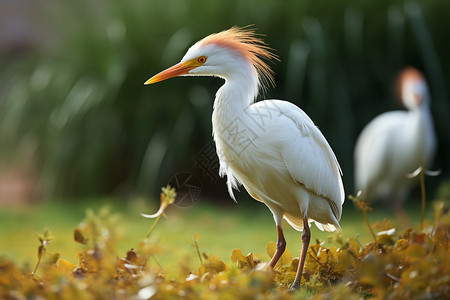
179 69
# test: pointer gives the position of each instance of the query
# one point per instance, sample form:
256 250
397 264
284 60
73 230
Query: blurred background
77 122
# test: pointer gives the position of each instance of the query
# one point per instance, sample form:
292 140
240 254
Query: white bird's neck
229 119
234 97
419 133
421 115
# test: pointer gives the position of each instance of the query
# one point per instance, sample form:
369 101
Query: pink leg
281 246
306 236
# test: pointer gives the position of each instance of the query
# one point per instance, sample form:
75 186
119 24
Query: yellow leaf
250 261
237 255
415 250
213 265
385 239
314 250
345 261
322 256
66 266
402 244
353 245
334 252
271 248
285 259
196 237
294 265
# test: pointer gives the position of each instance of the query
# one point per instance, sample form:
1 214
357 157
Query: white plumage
282 159
395 144
271 147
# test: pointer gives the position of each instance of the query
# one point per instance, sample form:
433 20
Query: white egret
271 147
395 144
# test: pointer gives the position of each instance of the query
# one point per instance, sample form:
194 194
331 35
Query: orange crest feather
245 41
408 75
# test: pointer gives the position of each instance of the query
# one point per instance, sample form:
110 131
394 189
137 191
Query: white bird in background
271 147
395 144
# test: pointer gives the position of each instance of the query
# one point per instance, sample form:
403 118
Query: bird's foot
294 287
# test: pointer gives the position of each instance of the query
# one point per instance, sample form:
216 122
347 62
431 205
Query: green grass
248 226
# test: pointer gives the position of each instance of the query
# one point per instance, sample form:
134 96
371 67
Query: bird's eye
201 59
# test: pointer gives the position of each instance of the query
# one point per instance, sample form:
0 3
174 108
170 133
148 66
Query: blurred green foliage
77 104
